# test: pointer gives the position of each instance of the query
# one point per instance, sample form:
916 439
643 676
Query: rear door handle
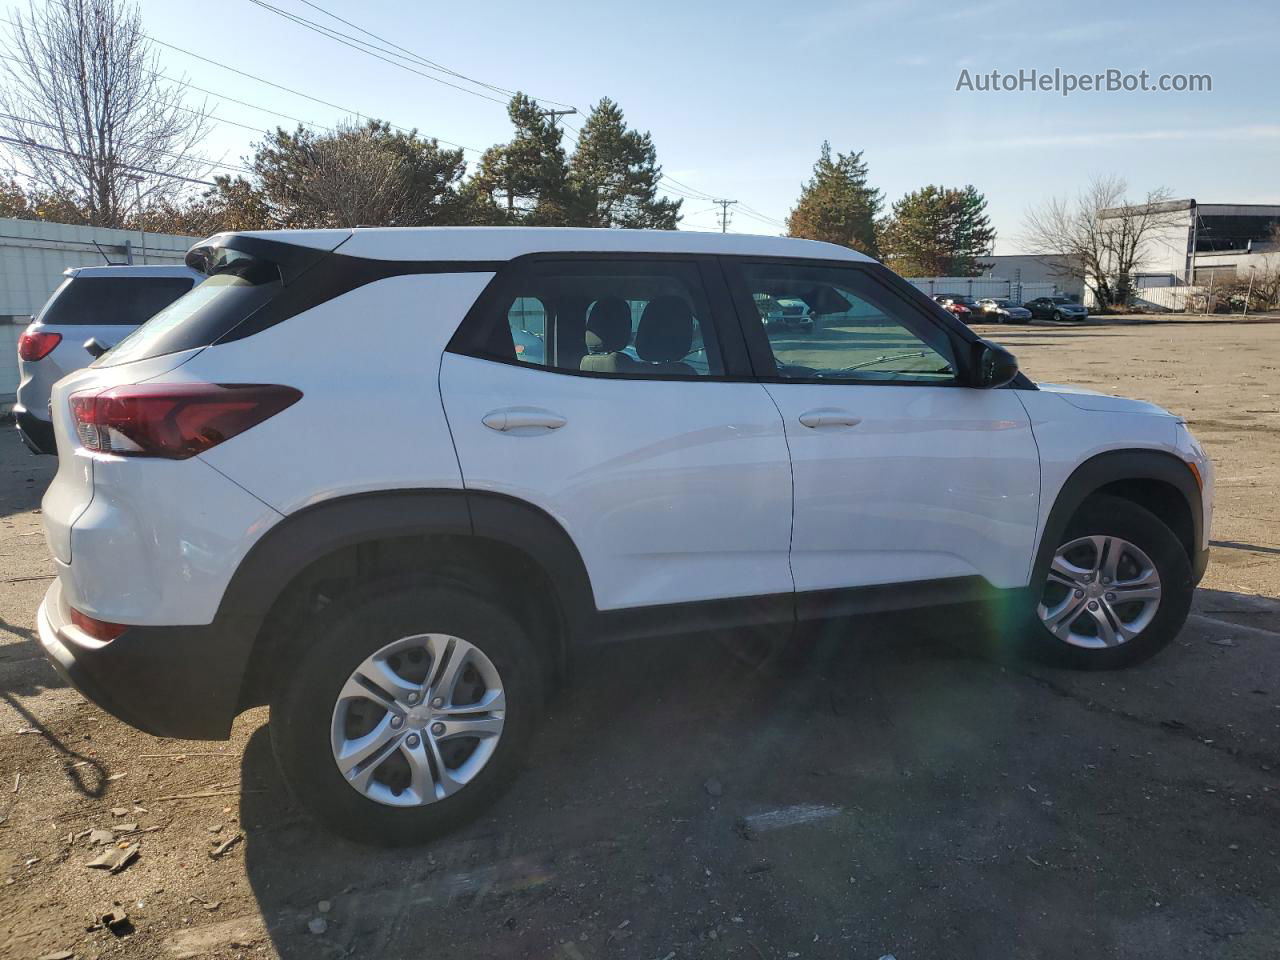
829 418
517 418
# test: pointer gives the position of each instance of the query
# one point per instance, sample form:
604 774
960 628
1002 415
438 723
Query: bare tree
356 174
89 116
354 177
1100 238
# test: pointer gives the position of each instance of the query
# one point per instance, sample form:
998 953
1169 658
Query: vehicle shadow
901 785
24 669
88 775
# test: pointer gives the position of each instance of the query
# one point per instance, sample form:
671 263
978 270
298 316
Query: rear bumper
167 681
37 434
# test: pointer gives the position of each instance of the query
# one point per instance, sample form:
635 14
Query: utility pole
557 114
724 206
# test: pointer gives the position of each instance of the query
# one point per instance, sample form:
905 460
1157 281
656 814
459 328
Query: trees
353 175
614 175
1100 238
527 179
233 204
611 180
96 123
837 205
938 232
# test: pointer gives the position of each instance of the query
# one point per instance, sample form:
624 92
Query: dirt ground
901 795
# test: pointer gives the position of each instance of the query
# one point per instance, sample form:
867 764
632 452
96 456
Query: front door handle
522 418
829 418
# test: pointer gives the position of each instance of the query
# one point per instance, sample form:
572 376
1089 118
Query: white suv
331 479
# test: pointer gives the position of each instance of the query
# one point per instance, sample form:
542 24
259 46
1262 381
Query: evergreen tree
527 179
938 232
837 205
614 175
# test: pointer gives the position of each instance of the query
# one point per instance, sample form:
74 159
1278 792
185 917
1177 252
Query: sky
739 95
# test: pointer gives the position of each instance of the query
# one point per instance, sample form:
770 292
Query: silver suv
103 304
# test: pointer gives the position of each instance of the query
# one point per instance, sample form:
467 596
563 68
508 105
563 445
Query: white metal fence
1175 299
981 287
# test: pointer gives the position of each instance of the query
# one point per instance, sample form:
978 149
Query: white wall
984 287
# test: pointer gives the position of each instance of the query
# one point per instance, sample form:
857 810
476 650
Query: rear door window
625 318
112 301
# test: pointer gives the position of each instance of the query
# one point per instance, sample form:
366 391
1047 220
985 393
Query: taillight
98 629
175 420
36 345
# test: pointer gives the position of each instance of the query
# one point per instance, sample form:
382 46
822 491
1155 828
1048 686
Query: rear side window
112 301
623 318
238 285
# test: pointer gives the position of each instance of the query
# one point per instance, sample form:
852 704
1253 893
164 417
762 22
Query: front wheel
408 713
1117 592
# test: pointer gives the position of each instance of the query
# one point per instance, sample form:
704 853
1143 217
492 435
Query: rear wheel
1118 589
408 714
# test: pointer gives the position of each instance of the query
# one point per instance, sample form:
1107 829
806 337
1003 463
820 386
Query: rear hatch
91 305
247 277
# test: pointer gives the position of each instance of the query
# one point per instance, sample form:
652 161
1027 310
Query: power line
356 43
48 148
306 96
430 63
172 156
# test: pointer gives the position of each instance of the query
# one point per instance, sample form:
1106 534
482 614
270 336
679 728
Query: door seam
791 466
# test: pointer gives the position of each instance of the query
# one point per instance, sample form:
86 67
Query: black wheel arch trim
306 536
1111 467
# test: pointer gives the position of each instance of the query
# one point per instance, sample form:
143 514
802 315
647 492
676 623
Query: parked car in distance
785 315
1003 310
962 306
402 548
1056 308
104 304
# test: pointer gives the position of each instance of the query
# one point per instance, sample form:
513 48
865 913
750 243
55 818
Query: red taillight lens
176 420
98 629
37 345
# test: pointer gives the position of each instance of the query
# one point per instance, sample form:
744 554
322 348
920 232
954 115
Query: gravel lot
902 794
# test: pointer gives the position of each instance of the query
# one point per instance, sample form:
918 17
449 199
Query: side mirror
995 366
94 348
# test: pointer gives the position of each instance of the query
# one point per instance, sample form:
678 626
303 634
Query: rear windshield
237 286
111 301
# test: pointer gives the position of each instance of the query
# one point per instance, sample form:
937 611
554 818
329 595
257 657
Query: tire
306 728
1057 315
1115 520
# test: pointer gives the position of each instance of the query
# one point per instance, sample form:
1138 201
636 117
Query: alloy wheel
418 720
1101 592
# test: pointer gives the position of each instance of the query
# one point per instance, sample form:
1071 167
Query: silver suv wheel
1101 592
418 720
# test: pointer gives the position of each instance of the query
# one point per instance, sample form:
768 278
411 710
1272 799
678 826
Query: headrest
665 332
608 325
